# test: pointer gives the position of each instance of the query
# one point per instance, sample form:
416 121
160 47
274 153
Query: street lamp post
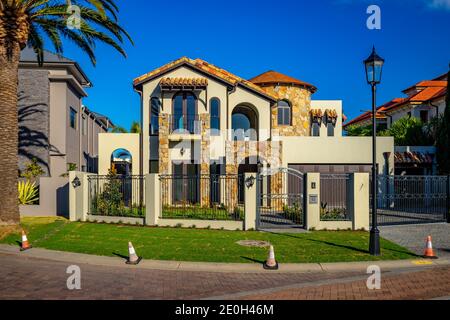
374 67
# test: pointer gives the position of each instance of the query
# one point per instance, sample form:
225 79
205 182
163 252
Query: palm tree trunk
9 64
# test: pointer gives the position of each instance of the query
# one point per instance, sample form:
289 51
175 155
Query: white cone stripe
429 245
24 238
132 252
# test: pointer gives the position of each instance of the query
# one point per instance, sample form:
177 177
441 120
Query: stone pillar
231 169
250 205
152 199
358 201
204 122
164 160
312 201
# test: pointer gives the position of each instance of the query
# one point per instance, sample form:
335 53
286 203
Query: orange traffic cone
271 263
132 257
429 252
25 245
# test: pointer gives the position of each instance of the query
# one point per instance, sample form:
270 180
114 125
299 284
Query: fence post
358 201
312 201
152 199
250 201
78 196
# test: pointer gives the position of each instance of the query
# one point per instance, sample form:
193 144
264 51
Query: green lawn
200 245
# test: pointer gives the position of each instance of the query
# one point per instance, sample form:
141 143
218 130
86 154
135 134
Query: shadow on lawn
342 246
120 255
253 260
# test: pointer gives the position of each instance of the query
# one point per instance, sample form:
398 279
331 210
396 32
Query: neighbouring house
55 128
200 120
424 100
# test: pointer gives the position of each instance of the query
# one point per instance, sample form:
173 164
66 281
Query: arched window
244 123
184 110
121 162
215 116
284 113
154 116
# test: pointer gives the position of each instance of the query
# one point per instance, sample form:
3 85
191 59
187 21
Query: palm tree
135 127
33 23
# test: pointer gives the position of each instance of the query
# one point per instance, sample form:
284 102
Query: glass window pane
154 116
215 116
330 129
280 116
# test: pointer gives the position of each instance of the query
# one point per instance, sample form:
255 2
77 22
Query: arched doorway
122 162
244 123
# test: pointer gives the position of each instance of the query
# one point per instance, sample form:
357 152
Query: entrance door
186 184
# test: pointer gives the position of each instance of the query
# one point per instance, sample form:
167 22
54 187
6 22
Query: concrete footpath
70 257
42 274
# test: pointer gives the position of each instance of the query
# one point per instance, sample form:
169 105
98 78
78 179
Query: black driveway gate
412 199
280 199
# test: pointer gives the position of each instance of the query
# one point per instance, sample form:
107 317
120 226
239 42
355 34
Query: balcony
182 127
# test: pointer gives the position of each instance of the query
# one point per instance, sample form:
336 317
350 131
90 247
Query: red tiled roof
429 93
426 84
205 67
380 112
273 77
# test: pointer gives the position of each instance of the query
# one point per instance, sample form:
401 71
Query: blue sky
321 42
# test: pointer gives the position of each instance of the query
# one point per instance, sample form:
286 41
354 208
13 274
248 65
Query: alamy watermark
74 19
74 280
374 280
374 20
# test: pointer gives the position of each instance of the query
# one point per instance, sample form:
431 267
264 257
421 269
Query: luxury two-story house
198 119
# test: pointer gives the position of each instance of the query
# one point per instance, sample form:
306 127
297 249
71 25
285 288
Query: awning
183 83
413 158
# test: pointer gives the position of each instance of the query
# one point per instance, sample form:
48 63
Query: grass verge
200 245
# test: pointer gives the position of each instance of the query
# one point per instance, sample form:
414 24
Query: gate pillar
312 201
250 201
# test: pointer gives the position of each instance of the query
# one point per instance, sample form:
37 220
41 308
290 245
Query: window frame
313 125
156 131
287 108
74 112
214 131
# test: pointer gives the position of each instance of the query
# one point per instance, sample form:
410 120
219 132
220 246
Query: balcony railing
185 124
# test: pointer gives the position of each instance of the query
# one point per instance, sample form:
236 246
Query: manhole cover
253 243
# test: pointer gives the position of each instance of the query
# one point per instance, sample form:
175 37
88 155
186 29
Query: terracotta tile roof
380 112
413 158
425 84
429 93
273 77
208 68
180 82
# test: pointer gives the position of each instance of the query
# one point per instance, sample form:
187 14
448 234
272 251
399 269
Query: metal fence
203 197
412 199
333 197
119 196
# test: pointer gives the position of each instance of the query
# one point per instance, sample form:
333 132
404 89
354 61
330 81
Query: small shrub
179 225
28 193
